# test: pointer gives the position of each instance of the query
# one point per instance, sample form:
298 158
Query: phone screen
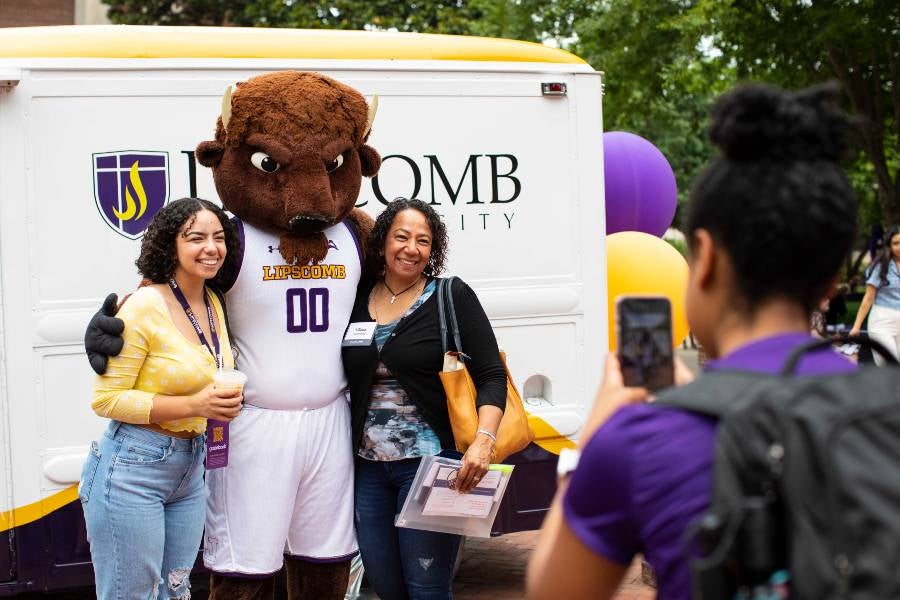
645 341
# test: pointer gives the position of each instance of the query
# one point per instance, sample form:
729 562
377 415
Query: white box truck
503 137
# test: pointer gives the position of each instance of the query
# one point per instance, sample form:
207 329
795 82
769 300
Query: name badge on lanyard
216 431
359 334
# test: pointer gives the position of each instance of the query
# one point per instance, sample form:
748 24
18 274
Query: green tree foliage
531 20
552 21
435 16
795 43
179 12
660 78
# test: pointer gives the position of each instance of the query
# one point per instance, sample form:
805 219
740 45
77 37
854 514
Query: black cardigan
413 355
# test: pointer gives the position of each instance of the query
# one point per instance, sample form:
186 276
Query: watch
568 460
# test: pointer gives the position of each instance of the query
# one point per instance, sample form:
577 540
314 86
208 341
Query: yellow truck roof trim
139 41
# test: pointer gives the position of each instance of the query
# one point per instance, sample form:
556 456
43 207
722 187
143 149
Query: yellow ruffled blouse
156 359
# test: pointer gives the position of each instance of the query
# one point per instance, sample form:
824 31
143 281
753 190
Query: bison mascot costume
287 160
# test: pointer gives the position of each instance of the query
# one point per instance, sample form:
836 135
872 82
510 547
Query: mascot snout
308 224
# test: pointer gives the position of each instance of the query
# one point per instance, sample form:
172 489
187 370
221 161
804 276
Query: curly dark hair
776 198
378 237
158 256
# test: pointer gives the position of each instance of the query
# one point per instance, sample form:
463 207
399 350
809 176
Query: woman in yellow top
142 486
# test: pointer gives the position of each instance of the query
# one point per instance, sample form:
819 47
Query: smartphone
644 341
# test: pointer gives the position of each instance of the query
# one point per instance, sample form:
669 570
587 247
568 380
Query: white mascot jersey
288 321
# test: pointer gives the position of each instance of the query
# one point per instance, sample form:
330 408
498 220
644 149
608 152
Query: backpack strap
793 359
716 393
738 524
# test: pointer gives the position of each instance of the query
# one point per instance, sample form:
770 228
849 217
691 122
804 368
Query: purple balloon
640 186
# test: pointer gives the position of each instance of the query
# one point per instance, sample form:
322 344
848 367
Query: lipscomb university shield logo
130 187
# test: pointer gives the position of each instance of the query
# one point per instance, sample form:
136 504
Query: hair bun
757 122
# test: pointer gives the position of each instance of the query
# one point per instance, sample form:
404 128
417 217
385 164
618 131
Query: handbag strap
445 307
442 317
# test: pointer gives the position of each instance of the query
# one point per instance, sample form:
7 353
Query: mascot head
289 156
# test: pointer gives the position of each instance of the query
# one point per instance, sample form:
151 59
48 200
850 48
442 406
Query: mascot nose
306 224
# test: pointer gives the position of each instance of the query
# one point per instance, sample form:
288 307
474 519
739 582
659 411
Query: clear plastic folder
433 504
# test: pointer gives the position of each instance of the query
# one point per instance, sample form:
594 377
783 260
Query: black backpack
806 481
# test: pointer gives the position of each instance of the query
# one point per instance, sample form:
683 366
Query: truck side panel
516 175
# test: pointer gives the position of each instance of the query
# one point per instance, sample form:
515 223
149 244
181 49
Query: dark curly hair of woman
158 256
776 198
883 259
378 237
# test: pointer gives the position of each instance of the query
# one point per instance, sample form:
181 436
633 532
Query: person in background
774 199
881 302
398 406
142 485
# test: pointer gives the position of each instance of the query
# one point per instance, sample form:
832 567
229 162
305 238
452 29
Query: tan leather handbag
514 433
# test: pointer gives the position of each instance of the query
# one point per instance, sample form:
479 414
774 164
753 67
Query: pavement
495 568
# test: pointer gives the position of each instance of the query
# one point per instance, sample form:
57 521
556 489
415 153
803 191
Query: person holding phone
773 199
142 486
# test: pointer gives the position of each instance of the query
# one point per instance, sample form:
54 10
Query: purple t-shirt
646 473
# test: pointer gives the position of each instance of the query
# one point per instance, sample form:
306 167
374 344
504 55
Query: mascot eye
333 165
264 162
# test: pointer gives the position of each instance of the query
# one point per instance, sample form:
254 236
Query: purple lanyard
179 295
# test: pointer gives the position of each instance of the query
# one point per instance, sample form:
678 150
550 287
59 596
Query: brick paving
495 568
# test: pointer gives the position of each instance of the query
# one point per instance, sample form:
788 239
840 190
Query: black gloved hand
103 337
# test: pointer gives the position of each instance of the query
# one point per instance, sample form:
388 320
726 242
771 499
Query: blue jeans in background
400 563
144 504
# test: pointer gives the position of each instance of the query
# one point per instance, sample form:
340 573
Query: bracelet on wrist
493 436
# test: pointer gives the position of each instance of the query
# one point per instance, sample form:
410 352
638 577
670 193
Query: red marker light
556 88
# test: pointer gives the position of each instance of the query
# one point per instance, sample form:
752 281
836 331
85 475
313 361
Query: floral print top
395 428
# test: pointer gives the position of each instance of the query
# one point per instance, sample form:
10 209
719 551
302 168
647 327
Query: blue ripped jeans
144 504
400 563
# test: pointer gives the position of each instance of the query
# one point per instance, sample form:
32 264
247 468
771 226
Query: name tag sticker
359 334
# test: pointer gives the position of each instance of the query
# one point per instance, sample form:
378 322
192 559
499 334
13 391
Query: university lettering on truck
97 127
429 181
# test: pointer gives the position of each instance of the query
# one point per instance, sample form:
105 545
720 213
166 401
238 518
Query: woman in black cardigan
398 406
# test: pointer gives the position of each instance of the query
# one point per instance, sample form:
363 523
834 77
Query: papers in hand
444 501
433 505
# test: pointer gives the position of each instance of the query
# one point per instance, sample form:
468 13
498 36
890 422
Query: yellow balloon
642 264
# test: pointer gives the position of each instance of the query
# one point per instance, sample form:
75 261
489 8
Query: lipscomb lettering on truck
131 186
